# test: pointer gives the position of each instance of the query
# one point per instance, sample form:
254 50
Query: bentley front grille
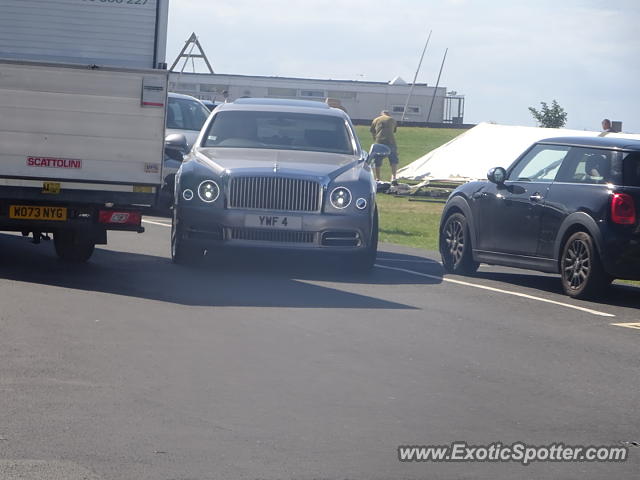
275 193
281 236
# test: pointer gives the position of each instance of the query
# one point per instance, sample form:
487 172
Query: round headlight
340 197
187 194
208 191
361 203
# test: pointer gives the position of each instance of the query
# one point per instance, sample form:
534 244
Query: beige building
362 100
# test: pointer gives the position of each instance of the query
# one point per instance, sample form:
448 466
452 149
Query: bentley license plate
273 222
35 212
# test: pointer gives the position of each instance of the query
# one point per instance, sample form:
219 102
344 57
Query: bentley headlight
340 197
208 191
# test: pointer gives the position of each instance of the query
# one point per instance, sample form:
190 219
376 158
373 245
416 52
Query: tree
554 117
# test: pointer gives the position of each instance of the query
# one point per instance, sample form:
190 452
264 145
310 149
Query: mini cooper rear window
632 170
279 130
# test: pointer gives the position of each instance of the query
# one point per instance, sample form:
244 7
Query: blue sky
503 55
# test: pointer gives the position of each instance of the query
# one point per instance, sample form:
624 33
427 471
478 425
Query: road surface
130 367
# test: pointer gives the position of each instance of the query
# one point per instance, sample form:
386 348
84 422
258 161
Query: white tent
470 155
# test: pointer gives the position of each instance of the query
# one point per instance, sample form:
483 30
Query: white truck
83 95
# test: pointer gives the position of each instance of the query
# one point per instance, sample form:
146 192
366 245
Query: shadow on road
248 280
619 295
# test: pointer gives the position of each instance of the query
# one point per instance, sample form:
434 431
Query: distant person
225 96
335 103
383 129
606 125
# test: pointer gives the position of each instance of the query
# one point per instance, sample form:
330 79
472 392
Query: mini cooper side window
590 165
541 164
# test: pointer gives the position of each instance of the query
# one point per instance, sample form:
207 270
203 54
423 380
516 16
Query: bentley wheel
364 261
182 253
581 269
455 246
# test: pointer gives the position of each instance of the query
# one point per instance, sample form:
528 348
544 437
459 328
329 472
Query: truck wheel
455 246
72 246
182 253
581 269
363 262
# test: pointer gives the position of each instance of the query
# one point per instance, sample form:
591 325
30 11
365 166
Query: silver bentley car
277 174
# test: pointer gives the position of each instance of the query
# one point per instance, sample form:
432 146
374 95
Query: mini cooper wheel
455 246
182 252
581 269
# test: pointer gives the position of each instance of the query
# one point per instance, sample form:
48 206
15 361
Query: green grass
413 142
414 224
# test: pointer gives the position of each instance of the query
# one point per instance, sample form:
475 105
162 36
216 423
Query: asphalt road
130 367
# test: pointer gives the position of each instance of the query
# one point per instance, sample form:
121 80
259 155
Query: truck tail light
623 209
120 218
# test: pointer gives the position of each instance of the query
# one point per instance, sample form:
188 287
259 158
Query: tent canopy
470 155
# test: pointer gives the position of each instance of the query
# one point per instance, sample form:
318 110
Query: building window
204 87
281 92
187 86
341 94
312 93
411 109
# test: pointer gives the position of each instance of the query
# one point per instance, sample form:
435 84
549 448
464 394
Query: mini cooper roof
599 142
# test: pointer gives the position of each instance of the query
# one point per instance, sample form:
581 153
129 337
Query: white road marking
405 260
498 290
156 223
628 325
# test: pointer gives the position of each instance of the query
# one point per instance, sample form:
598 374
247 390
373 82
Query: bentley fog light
361 203
187 194
340 197
208 191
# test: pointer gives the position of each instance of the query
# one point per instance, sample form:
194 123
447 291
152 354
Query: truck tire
73 247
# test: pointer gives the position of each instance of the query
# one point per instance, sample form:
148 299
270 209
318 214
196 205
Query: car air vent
259 235
275 193
341 239
201 232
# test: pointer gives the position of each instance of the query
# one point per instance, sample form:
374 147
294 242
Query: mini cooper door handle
536 197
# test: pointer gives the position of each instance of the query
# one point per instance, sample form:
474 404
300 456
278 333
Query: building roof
266 77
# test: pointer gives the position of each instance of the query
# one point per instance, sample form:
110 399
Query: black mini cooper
567 206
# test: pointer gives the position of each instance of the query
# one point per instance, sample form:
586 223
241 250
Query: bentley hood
248 161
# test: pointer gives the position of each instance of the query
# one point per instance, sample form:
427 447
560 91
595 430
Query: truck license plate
273 222
34 212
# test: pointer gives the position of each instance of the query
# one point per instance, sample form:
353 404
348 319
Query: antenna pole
415 77
435 90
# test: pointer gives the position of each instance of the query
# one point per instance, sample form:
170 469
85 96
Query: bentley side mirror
176 146
378 151
497 175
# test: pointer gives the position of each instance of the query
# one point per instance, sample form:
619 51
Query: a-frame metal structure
190 45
